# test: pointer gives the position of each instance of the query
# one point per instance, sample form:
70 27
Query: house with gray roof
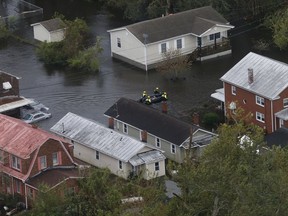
197 31
102 147
259 85
52 30
158 129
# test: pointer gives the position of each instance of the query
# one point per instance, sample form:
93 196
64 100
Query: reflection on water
90 95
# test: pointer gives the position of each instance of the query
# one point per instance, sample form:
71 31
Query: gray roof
147 158
52 24
195 21
153 121
278 138
270 76
98 137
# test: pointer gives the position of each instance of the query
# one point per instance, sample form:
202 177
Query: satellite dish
232 106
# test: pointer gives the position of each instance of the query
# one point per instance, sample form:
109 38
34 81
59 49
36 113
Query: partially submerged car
36 105
36 116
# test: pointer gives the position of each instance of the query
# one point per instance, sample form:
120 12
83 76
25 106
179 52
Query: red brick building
30 156
258 85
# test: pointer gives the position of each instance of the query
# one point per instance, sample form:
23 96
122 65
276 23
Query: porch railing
222 46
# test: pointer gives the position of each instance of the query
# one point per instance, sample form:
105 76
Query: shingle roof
98 137
153 121
278 138
21 139
52 177
52 24
195 21
270 76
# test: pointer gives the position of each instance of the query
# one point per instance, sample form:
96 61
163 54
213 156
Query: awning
283 114
13 105
219 95
147 158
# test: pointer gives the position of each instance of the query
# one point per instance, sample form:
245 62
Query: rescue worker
164 96
156 90
148 100
144 94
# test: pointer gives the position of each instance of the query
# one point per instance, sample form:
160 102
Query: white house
52 30
143 44
106 148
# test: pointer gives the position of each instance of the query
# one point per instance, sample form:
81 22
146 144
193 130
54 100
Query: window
173 149
97 155
158 142
1 156
157 168
285 102
259 100
30 192
120 165
55 158
16 162
125 128
119 42
214 36
18 186
179 44
260 117
233 90
42 162
163 48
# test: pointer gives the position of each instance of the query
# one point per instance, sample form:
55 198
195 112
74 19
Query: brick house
29 157
258 85
10 99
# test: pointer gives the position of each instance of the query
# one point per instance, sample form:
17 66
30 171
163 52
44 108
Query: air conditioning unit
7 85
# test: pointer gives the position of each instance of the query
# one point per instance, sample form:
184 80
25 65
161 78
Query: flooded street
90 95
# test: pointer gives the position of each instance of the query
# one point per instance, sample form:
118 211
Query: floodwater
90 95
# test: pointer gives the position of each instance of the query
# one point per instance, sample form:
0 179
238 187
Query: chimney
250 76
164 107
144 136
111 123
196 118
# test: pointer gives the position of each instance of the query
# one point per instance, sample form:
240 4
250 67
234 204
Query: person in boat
144 94
156 91
164 96
148 100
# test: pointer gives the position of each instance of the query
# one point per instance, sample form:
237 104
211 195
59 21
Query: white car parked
36 116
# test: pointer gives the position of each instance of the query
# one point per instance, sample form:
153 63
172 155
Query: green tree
87 60
233 177
173 63
4 32
278 23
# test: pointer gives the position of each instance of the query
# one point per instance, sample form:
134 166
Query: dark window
119 42
163 48
179 44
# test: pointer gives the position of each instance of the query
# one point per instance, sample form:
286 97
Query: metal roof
283 114
270 77
147 158
196 21
15 104
96 136
21 139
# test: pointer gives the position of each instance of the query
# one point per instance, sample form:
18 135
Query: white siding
150 172
130 48
205 37
40 33
89 156
57 36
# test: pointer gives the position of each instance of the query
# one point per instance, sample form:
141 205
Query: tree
278 23
87 60
4 32
233 178
173 63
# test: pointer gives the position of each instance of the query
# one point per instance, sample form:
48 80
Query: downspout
26 199
12 186
272 115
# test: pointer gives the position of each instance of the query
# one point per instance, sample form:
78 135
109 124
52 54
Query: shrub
211 120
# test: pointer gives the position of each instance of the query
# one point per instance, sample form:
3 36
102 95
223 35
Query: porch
202 53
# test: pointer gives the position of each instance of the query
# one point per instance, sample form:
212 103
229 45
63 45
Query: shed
52 30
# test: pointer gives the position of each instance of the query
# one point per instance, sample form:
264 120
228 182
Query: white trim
261 117
261 100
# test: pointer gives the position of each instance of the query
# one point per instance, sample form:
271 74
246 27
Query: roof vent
250 76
